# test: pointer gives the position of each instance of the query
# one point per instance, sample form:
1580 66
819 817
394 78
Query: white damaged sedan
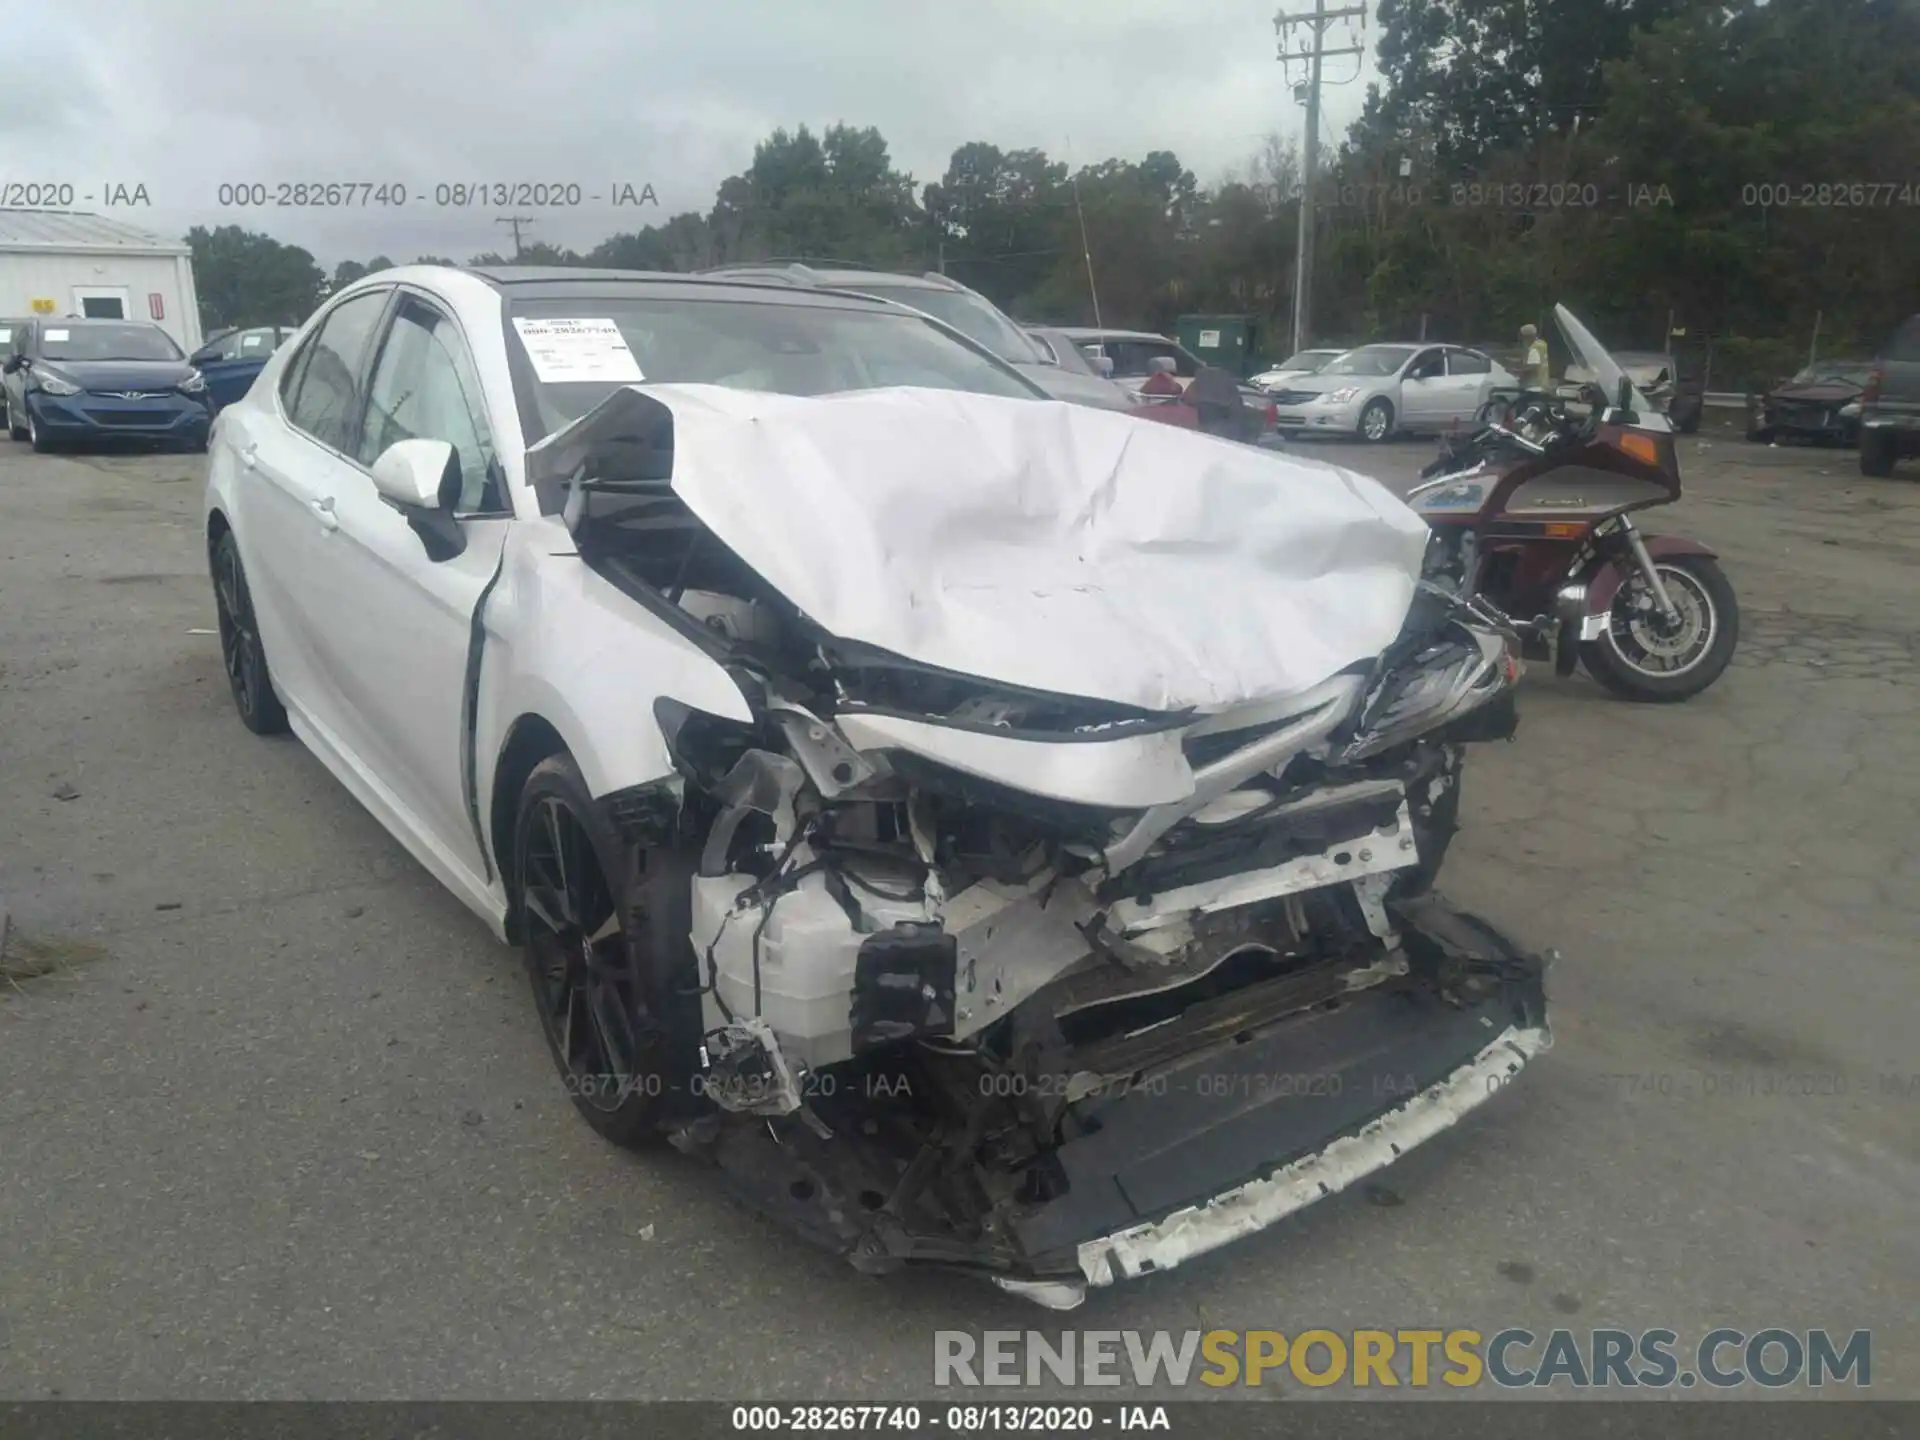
996 834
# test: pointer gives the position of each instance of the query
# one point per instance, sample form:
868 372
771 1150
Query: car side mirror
421 479
15 364
418 475
1103 365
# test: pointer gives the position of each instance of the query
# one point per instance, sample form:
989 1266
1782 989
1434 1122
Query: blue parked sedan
230 359
75 381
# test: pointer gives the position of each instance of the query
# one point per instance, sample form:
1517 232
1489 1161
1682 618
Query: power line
1312 51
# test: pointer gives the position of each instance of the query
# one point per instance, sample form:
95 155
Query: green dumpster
1223 340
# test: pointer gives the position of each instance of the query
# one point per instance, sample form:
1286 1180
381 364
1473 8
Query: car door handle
324 509
248 454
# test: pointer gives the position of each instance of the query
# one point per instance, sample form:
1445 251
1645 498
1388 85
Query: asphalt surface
278 1121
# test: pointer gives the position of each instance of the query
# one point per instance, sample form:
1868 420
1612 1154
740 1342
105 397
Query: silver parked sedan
1306 362
1378 391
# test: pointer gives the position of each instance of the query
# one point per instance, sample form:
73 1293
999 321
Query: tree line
1744 171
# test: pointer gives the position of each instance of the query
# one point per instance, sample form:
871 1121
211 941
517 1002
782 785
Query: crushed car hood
1034 543
1816 392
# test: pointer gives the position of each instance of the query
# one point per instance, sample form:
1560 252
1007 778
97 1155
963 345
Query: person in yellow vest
1535 367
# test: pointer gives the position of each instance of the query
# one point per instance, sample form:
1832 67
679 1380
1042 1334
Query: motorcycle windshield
1591 357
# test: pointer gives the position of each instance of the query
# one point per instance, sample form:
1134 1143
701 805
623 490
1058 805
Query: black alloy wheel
241 652
604 934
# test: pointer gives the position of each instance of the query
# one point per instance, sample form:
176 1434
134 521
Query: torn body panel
1137 770
566 646
1195 1230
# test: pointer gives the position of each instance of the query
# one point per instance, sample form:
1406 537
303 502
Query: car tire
605 933
1376 421
1879 451
15 430
41 442
242 654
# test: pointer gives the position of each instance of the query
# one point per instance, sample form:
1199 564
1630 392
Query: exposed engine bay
1050 988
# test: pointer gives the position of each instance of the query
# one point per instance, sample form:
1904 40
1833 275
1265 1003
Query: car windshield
1063 352
1369 360
967 313
798 349
1309 361
107 342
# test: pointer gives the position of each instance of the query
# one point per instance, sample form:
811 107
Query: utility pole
1312 52
516 221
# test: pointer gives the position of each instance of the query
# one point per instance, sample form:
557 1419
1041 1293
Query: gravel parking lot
278 1121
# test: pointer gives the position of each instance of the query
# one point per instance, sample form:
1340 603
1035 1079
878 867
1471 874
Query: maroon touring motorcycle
1533 515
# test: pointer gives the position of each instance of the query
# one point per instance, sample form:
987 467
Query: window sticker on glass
5 334
588 350
57 334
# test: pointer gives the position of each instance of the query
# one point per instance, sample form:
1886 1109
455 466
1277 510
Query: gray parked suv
1890 408
967 311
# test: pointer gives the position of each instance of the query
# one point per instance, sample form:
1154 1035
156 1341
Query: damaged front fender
591 663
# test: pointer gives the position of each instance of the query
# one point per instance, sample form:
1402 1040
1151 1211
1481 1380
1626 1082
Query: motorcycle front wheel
1644 656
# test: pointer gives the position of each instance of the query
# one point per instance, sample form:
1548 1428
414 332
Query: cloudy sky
183 97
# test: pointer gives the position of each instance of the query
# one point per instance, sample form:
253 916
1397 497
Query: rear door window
1184 364
1905 345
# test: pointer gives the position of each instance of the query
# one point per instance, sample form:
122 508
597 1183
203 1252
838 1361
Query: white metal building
67 262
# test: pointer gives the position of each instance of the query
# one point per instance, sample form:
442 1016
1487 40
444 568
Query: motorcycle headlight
194 384
54 385
1339 397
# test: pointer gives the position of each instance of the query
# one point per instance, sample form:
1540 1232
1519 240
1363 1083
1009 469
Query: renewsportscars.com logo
1511 1359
